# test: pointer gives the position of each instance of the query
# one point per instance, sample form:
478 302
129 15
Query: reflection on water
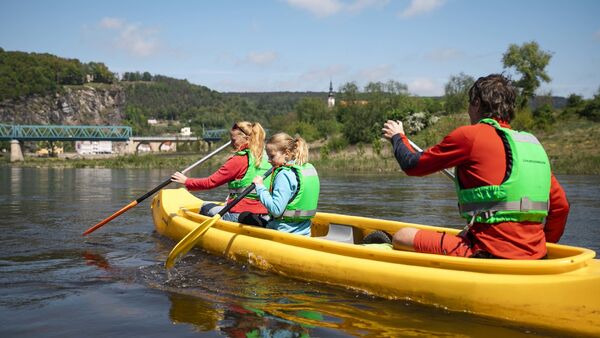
275 306
53 282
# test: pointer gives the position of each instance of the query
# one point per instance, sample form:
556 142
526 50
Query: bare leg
404 239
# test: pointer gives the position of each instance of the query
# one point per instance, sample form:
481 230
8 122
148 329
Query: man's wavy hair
496 96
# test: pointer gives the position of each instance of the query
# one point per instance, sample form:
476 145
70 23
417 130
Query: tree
363 114
100 72
575 101
456 93
314 111
530 62
591 110
396 88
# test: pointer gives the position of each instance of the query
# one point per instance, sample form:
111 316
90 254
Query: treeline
25 74
589 109
178 101
358 114
277 103
137 76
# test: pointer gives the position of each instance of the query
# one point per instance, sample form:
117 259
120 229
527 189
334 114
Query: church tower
330 98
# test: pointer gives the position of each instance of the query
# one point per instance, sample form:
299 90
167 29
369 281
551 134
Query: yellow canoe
561 292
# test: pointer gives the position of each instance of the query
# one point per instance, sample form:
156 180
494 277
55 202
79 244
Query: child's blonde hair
255 134
297 147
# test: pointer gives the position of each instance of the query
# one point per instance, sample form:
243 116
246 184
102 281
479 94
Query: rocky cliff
85 105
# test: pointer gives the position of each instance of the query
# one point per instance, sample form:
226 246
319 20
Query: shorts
441 243
246 217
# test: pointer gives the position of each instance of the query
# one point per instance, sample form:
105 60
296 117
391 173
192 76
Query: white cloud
322 75
111 23
425 87
418 7
359 5
320 8
132 38
374 74
444 54
261 58
316 79
324 8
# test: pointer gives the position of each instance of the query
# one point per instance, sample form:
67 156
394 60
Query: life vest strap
524 205
299 213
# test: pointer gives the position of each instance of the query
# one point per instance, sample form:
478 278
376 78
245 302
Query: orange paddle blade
110 218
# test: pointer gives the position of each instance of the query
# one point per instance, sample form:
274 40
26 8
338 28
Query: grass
572 144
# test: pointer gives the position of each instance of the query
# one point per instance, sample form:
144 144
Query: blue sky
299 45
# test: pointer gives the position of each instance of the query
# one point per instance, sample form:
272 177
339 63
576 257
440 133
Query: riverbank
573 146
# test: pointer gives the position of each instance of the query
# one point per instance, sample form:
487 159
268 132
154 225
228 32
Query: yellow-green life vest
303 205
237 186
524 194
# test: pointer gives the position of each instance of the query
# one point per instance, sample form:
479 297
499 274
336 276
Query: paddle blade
188 242
110 218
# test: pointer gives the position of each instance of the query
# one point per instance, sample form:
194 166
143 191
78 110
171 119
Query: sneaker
377 236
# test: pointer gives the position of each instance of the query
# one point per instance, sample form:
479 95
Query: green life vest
303 205
237 186
525 191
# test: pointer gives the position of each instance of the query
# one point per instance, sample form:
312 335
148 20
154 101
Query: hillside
274 103
46 89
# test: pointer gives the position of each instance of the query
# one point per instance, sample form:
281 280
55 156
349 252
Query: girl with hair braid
294 193
247 140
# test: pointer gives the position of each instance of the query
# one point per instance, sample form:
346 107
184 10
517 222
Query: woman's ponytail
300 150
256 142
255 134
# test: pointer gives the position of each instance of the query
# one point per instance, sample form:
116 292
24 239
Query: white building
93 147
186 131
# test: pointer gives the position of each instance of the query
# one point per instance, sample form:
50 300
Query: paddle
446 172
151 192
188 242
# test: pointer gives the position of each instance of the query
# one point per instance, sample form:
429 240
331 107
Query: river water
56 283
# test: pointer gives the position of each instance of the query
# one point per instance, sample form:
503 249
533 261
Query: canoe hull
561 293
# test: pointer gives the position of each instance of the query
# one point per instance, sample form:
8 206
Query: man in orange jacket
487 168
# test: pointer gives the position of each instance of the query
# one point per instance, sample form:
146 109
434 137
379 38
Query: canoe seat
340 233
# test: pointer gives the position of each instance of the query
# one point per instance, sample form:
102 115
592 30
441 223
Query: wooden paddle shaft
168 181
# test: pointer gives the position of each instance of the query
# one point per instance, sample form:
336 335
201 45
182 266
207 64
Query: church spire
330 98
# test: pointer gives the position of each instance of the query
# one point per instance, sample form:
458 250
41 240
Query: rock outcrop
85 105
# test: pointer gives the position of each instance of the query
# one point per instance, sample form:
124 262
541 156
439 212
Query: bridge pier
16 155
131 146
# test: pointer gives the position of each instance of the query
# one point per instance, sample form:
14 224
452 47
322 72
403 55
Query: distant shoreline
349 160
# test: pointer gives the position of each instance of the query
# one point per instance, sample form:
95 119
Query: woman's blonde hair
255 134
297 147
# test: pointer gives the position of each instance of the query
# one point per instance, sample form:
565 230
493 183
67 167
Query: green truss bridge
63 133
82 133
